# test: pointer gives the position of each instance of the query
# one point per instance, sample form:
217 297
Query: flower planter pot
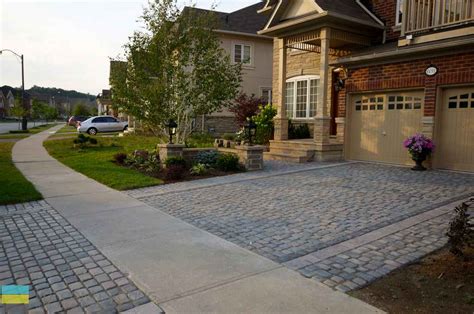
419 164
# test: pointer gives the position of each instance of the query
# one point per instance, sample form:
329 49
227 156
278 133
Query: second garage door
456 130
379 123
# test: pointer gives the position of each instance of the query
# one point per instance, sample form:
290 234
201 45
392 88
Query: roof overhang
219 31
405 53
316 20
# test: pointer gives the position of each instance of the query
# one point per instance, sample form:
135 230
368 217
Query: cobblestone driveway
65 272
288 216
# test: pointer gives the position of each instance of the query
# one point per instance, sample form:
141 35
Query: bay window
302 97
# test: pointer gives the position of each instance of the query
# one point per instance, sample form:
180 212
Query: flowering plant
419 146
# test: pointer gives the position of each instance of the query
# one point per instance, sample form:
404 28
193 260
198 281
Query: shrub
152 163
200 140
245 107
82 141
173 161
300 131
264 122
461 230
175 171
228 162
120 158
229 136
199 170
208 158
144 160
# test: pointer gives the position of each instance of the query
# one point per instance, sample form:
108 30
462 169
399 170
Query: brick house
366 74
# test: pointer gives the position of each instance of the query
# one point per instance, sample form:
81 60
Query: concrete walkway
182 268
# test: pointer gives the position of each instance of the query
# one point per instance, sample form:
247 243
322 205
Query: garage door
456 132
379 123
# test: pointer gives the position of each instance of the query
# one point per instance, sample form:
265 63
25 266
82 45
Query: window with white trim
399 10
266 94
302 97
243 54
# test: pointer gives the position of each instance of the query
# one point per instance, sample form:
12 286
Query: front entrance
379 123
456 131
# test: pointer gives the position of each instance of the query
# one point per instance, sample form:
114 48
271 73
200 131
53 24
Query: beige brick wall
298 63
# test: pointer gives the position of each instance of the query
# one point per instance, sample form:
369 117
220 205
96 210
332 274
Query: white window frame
242 47
270 93
308 79
398 22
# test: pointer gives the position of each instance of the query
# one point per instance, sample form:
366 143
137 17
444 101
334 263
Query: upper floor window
243 54
399 16
302 97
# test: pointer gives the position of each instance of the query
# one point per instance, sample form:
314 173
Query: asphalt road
6 127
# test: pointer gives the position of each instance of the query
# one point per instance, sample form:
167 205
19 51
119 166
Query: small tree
264 122
245 107
175 69
81 110
18 112
51 113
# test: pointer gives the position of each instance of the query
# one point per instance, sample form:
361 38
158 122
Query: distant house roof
245 20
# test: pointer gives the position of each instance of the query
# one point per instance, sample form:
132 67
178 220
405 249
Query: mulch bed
439 283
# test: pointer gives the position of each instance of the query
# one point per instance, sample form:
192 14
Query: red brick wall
385 10
453 69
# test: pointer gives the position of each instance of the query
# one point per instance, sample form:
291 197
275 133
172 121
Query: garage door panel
456 132
377 133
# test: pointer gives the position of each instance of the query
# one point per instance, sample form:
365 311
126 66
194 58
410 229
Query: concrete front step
309 145
291 151
300 159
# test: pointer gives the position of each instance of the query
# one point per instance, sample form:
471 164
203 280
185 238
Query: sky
67 44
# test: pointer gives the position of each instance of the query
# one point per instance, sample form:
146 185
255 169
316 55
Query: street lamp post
24 121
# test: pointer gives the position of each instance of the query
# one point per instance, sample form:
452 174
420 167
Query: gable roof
343 9
246 20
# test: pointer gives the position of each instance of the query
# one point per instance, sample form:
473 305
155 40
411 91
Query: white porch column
281 120
322 121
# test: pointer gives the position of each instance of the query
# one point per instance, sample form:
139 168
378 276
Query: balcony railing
425 15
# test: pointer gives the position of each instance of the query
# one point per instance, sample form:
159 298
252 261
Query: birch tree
175 69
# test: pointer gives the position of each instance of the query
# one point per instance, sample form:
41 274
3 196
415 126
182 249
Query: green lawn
14 136
14 188
97 162
67 129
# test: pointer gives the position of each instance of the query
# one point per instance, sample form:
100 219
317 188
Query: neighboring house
367 74
7 100
104 103
238 35
3 112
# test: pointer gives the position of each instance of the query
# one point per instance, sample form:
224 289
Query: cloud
67 44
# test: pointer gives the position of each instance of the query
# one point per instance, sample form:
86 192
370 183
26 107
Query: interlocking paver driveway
284 217
65 272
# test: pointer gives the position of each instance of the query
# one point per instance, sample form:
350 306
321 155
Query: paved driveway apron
291 215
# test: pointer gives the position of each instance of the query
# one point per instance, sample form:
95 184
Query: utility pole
24 121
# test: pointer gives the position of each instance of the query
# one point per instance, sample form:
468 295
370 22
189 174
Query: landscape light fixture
250 130
172 126
24 122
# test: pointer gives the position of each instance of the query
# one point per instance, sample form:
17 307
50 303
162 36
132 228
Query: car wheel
92 131
125 128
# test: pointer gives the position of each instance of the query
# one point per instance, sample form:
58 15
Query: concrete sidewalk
182 268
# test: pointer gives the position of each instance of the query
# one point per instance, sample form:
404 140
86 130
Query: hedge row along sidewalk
14 188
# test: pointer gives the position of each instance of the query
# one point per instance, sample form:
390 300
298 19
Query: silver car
101 124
